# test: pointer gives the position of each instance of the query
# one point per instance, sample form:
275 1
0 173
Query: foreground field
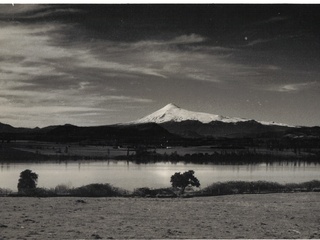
290 215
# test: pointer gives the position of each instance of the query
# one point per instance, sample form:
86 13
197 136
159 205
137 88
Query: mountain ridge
173 113
168 124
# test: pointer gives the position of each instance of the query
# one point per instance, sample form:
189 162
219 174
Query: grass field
281 215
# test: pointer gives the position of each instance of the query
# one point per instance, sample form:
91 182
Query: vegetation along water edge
183 185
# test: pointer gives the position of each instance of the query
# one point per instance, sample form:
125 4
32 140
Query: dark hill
196 129
113 134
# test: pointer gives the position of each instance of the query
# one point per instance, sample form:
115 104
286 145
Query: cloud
165 59
218 50
43 57
90 61
275 19
187 39
61 106
33 59
258 41
65 97
44 53
7 10
32 110
203 77
168 59
19 12
20 40
128 99
270 67
179 40
292 87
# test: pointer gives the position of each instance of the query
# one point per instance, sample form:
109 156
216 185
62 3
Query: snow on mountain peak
173 113
170 106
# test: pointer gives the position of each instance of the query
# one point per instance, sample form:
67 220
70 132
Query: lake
153 175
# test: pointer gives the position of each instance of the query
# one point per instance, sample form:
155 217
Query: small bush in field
159 192
264 186
311 185
218 189
5 191
43 192
238 187
142 192
62 189
235 187
98 190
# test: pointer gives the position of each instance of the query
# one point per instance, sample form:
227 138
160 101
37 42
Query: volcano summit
173 113
198 124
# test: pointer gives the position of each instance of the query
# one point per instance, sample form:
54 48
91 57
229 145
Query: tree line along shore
183 185
28 152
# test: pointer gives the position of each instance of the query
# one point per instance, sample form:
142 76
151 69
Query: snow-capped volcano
173 113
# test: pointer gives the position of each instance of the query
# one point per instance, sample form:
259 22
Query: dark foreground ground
289 215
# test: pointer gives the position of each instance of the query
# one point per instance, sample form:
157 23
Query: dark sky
104 64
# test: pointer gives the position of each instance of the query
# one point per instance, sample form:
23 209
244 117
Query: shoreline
215 189
204 154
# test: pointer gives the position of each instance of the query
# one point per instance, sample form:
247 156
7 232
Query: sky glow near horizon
102 64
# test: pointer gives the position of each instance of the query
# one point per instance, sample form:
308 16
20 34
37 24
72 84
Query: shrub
159 192
305 186
239 187
5 191
27 181
98 190
311 185
142 192
43 192
62 189
264 186
37 192
218 189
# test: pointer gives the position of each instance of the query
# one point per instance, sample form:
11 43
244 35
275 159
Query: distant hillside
144 133
149 133
169 126
196 129
6 128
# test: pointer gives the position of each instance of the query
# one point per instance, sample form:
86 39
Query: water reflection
4 166
130 175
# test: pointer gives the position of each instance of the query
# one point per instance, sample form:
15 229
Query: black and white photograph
159 120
